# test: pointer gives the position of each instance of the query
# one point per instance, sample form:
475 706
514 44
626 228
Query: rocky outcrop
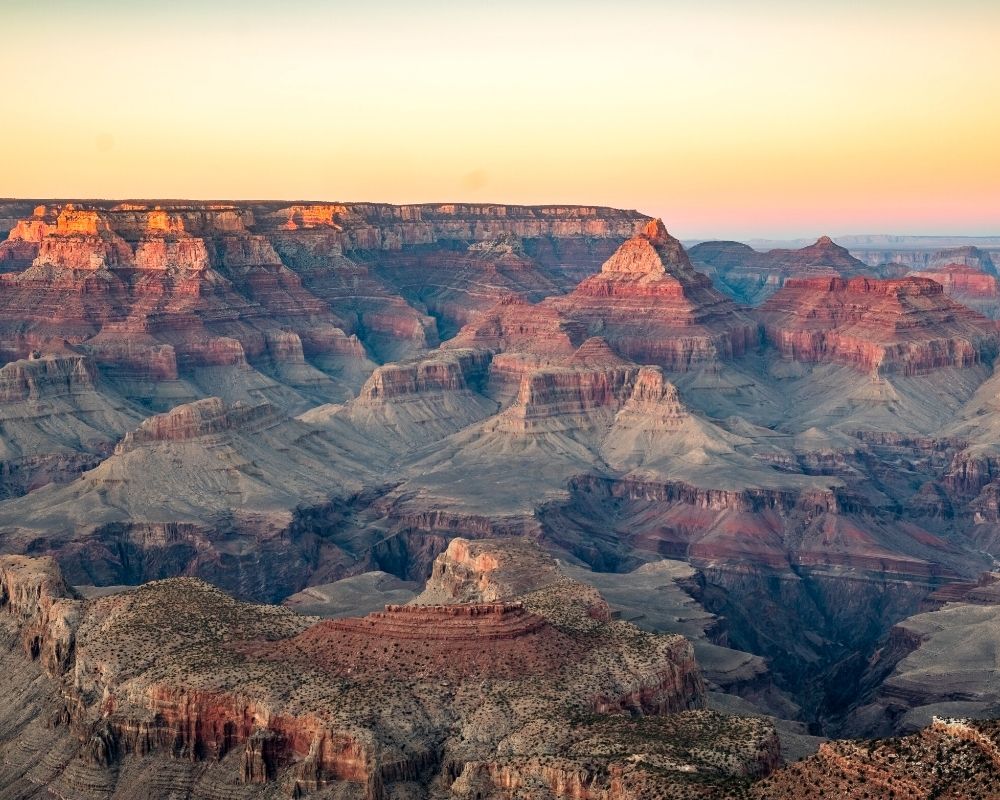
454 371
751 276
59 419
551 398
241 695
198 419
407 405
34 593
651 306
969 285
239 494
490 571
24 238
949 758
906 325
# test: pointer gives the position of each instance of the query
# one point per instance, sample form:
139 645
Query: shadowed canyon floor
482 460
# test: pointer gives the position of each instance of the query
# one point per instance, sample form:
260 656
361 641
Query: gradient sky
727 118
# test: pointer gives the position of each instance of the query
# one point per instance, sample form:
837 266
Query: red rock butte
651 306
904 325
962 280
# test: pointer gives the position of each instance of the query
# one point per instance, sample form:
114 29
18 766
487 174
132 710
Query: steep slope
235 494
58 420
943 663
406 405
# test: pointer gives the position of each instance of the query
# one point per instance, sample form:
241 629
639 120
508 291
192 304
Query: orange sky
726 118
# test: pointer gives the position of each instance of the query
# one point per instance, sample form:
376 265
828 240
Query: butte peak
825 252
653 252
656 232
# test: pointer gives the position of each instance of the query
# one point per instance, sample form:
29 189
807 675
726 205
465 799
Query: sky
726 118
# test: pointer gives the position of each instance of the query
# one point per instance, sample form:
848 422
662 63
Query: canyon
336 499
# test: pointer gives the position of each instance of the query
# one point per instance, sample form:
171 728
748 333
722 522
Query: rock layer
905 325
178 669
651 306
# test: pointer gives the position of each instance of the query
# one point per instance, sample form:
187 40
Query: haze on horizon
774 119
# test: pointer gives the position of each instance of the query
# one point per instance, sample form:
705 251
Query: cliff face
914 256
960 637
34 593
59 419
374 226
969 285
250 508
489 571
237 695
159 292
905 325
651 306
154 294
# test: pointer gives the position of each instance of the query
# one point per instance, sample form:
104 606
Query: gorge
310 497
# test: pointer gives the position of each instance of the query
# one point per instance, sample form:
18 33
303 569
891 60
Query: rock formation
178 301
906 325
651 306
174 681
405 405
951 758
256 395
234 493
967 284
751 276
58 419
939 663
